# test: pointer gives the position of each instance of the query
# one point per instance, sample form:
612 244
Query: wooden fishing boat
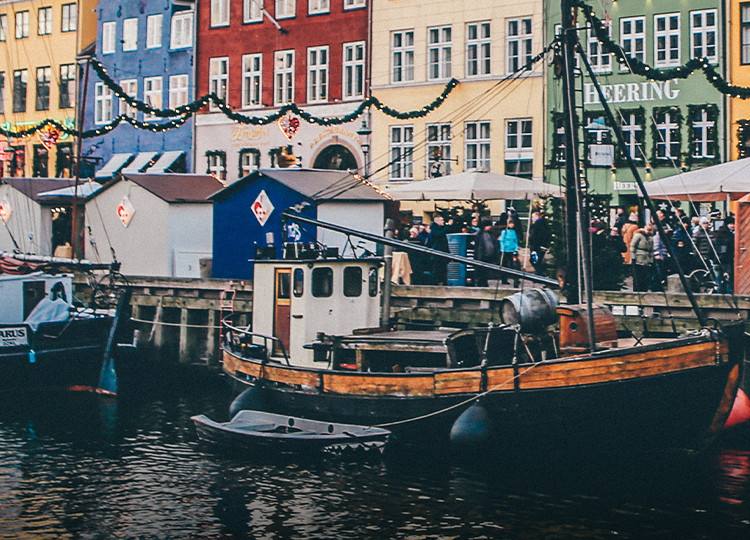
251 430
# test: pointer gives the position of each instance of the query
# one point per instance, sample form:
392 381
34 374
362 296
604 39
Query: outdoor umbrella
715 183
473 186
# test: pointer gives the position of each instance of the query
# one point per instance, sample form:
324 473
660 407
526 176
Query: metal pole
385 316
79 143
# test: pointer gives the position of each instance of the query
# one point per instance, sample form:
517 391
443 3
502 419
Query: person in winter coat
438 240
683 245
485 249
661 259
509 249
725 248
703 239
642 257
539 241
628 230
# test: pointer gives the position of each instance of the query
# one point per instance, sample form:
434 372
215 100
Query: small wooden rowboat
288 434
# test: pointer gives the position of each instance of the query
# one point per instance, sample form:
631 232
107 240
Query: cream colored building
493 120
39 43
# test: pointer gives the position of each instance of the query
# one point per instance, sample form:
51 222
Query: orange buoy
740 410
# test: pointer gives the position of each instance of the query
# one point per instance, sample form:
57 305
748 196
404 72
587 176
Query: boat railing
252 344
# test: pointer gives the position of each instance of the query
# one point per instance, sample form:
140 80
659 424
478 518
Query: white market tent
474 186
730 180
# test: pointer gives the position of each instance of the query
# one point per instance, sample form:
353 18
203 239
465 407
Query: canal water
82 466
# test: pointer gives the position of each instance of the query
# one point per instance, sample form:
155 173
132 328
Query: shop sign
125 211
262 208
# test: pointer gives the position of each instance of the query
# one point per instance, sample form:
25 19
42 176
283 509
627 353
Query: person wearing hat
703 239
628 230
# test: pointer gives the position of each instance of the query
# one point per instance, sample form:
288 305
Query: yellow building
39 41
493 120
739 75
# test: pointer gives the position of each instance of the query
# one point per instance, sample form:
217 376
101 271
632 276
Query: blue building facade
147 49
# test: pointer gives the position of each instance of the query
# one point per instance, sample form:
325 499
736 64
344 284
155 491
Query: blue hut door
282 306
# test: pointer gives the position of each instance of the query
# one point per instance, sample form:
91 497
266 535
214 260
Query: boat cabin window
322 282
299 282
353 281
372 282
282 285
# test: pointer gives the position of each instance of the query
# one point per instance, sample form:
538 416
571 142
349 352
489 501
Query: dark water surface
80 466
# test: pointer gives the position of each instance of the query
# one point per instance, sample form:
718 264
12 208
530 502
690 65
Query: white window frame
317 7
744 33
130 87
354 4
519 137
69 19
402 56
439 52
217 166
318 71
252 11
252 80
630 41
181 30
285 9
601 62
68 79
667 34
401 144
219 13
283 77
518 43
43 80
439 142
104 104
178 90
702 33
478 145
632 131
153 31
130 34
664 137
3 27
153 95
218 79
109 37
704 125
22 24
478 49
353 72
44 21
249 162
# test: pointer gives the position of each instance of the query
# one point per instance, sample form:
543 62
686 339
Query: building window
69 17
109 30
103 104
667 40
252 80
130 87
518 44
631 124
744 33
478 49
130 34
20 80
283 91
22 24
315 7
64 160
252 11
249 161
45 21
17 157
519 154
402 152
3 27
153 31
152 95
285 9
439 53
667 135
178 91
40 162
43 76
703 132
354 70
67 85
217 164
218 79
219 13
438 150
558 140
601 62
703 31
181 35
354 4
2 97
353 281
477 136
633 38
402 56
317 74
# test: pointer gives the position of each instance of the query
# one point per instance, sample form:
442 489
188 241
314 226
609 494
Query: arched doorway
337 157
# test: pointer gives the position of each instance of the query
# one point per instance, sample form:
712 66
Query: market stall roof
85 190
715 183
113 166
165 161
139 162
474 185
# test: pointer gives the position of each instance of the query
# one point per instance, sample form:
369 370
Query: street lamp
364 140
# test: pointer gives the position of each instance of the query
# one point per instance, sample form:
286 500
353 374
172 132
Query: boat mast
577 230
79 144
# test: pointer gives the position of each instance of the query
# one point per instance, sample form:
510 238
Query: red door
282 306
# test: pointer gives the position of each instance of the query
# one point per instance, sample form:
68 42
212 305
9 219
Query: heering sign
262 208
632 92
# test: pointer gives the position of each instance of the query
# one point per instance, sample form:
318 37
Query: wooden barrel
532 309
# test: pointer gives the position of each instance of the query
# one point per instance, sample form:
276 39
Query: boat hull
667 395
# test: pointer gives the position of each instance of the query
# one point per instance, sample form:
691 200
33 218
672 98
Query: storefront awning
113 166
164 162
139 162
